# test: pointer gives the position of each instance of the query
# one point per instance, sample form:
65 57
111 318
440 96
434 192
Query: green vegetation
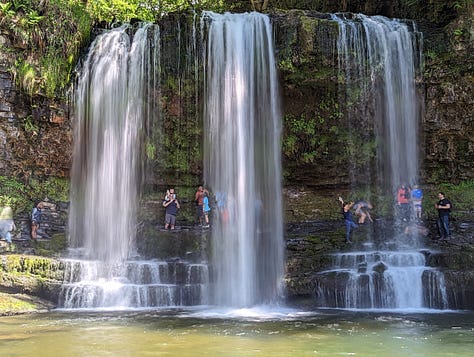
145 10
32 275
20 196
309 136
13 304
49 35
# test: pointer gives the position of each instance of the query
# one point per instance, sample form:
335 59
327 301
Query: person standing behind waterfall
362 210
403 201
206 209
346 213
35 219
444 209
199 200
171 205
416 200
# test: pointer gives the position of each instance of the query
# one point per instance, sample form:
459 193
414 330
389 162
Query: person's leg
348 231
199 213
445 226
439 223
34 228
167 220
405 212
349 226
172 221
418 211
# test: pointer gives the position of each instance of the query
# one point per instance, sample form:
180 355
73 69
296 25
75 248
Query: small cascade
381 279
436 296
137 284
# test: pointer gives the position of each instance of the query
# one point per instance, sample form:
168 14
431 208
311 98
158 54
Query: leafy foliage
145 10
309 136
49 35
20 196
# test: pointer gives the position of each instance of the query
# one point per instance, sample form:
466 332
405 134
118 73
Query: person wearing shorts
171 205
199 201
416 199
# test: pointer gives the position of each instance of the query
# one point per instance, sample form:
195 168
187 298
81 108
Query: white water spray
108 135
379 58
242 124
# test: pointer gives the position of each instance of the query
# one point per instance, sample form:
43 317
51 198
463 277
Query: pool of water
237 333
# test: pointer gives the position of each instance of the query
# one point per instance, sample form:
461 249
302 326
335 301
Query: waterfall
107 148
242 124
379 59
115 103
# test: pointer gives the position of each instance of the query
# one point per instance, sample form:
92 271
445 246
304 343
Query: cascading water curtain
380 60
242 160
107 144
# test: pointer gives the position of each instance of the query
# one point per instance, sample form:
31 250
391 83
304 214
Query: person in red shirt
403 201
199 201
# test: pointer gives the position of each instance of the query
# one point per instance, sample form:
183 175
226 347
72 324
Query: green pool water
195 333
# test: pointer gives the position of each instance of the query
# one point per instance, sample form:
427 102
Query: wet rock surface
310 245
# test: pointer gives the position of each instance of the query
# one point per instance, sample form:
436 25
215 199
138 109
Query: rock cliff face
36 133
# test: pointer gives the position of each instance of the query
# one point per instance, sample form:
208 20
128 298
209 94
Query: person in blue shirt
206 209
416 200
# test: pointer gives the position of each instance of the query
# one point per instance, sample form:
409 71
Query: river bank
17 304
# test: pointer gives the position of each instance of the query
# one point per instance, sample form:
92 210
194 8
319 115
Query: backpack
36 214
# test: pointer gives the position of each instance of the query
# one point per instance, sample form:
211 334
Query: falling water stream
379 59
242 125
112 106
242 166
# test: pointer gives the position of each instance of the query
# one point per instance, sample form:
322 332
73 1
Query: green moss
21 196
52 247
40 267
12 304
50 35
309 136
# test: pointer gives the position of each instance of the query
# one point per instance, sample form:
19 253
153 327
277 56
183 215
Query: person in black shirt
346 213
171 205
444 209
